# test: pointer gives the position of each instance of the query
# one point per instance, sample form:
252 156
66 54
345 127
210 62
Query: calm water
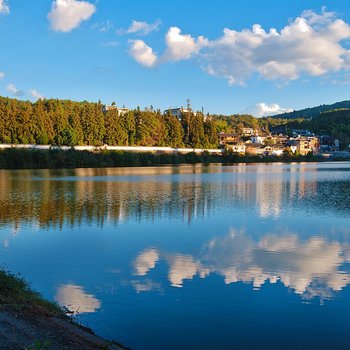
193 257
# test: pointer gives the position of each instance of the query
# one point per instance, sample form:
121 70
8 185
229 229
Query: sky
251 56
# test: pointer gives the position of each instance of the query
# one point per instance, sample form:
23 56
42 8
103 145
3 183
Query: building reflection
310 268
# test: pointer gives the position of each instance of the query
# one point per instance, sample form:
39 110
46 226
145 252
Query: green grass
16 294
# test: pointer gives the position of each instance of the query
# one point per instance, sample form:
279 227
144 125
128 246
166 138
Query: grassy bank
45 159
28 321
16 295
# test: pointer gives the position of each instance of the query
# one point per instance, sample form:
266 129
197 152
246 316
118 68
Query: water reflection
314 267
76 299
146 261
166 253
49 198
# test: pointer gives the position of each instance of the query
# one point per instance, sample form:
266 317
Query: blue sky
161 52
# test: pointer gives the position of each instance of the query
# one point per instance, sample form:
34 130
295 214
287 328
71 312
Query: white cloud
263 109
2 75
273 55
35 94
283 55
4 8
66 15
14 91
142 28
181 47
142 53
76 299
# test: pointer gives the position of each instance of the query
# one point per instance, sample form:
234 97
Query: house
252 149
299 133
248 131
257 139
266 150
228 138
257 149
281 139
304 145
237 148
328 144
178 112
121 111
278 150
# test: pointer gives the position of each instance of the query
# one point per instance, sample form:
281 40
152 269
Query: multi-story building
304 145
329 144
237 148
249 131
227 138
121 111
178 112
258 139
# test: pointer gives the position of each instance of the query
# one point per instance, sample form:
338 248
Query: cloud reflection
184 267
314 267
146 261
76 299
146 286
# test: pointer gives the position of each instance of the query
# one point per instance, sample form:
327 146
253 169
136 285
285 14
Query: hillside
335 123
312 112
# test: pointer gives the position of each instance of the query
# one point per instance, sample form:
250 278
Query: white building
257 139
121 111
248 132
178 112
238 148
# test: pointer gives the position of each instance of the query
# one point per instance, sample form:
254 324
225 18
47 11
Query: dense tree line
64 122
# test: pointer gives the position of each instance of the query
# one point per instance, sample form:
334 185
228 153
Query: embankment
27 321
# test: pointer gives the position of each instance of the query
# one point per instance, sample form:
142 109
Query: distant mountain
308 113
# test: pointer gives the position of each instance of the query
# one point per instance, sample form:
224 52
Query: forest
65 122
70 123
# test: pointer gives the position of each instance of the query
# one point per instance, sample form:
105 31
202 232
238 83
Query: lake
188 257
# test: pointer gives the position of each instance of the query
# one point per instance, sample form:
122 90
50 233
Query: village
251 142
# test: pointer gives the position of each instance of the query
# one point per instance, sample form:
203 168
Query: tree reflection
52 198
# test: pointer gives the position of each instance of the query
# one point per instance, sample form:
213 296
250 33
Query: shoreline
13 158
28 321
